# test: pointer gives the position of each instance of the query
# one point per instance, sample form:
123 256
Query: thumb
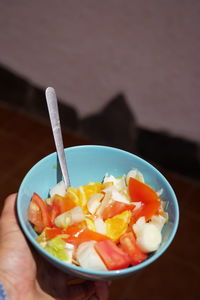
8 212
9 228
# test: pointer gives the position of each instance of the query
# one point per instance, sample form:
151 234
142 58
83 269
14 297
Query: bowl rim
107 273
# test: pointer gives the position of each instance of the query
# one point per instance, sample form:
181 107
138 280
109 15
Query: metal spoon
52 104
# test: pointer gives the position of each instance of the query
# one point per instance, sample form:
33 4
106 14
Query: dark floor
24 140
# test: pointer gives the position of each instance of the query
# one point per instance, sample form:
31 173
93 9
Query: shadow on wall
115 125
22 94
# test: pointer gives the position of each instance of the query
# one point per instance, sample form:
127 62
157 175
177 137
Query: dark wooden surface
24 140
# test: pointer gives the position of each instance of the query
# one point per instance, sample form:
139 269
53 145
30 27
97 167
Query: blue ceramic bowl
86 164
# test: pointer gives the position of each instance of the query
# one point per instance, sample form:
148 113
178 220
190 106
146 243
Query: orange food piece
60 205
150 202
141 192
85 235
117 225
115 208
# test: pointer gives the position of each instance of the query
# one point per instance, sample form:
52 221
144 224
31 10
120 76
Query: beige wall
91 50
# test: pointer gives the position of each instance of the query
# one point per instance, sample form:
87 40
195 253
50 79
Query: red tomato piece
75 229
90 235
53 232
85 235
113 257
63 203
150 209
38 213
136 214
146 210
115 208
141 192
60 205
128 244
35 217
54 211
44 209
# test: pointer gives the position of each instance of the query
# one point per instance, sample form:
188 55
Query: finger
9 228
8 219
9 208
102 290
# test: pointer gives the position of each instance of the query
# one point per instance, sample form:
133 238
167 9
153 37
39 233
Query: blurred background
127 75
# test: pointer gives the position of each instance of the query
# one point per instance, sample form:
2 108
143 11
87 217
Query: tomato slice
60 205
53 232
44 209
63 203
90 235
54 211
128 244
141 192
113 257
35 217
85 235
75 229
115 208
150 209
38 213
146 210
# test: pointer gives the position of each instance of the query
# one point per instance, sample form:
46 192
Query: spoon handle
52 105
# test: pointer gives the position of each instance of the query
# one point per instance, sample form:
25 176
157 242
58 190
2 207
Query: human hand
24 279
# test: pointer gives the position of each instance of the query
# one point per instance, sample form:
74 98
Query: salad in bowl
108 225
119 215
